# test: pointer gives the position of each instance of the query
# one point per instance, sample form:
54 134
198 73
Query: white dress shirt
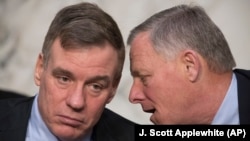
37 130
228 113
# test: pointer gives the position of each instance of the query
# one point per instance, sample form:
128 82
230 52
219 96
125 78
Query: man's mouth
149 111
70 121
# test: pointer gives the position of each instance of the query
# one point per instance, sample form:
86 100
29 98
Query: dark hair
184 26
81 25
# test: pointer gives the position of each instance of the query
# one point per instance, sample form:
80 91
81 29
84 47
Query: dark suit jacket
15 111
243 81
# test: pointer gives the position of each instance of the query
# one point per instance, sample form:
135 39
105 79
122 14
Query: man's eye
63 79
96 87
144 80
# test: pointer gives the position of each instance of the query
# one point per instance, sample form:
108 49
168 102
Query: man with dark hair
78 72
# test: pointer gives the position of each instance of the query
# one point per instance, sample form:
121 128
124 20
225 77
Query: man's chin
153 119
66 133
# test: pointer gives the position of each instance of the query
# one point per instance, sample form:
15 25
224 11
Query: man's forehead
140 38
142 46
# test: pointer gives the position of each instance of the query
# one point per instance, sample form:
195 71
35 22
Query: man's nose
76 99
136 94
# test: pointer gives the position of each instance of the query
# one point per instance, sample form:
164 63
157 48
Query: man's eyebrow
104 78
134 73
61 71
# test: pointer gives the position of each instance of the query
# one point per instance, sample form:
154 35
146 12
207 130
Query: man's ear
192 64
39 68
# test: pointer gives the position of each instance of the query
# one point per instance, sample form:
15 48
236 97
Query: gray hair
187 27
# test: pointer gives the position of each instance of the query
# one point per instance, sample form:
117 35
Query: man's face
75 87
159 86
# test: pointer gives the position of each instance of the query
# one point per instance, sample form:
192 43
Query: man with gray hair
184 72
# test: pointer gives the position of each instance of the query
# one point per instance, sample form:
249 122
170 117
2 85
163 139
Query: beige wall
24 24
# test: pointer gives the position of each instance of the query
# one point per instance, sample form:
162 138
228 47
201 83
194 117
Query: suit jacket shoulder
9 94
14 115
113 127
243 81
15 112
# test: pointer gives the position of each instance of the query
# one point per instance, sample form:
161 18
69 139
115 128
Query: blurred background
24 23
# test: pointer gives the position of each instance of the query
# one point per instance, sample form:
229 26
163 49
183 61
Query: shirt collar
228 112
37 129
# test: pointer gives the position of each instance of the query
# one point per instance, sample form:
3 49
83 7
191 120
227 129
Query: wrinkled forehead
104 57
141 46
